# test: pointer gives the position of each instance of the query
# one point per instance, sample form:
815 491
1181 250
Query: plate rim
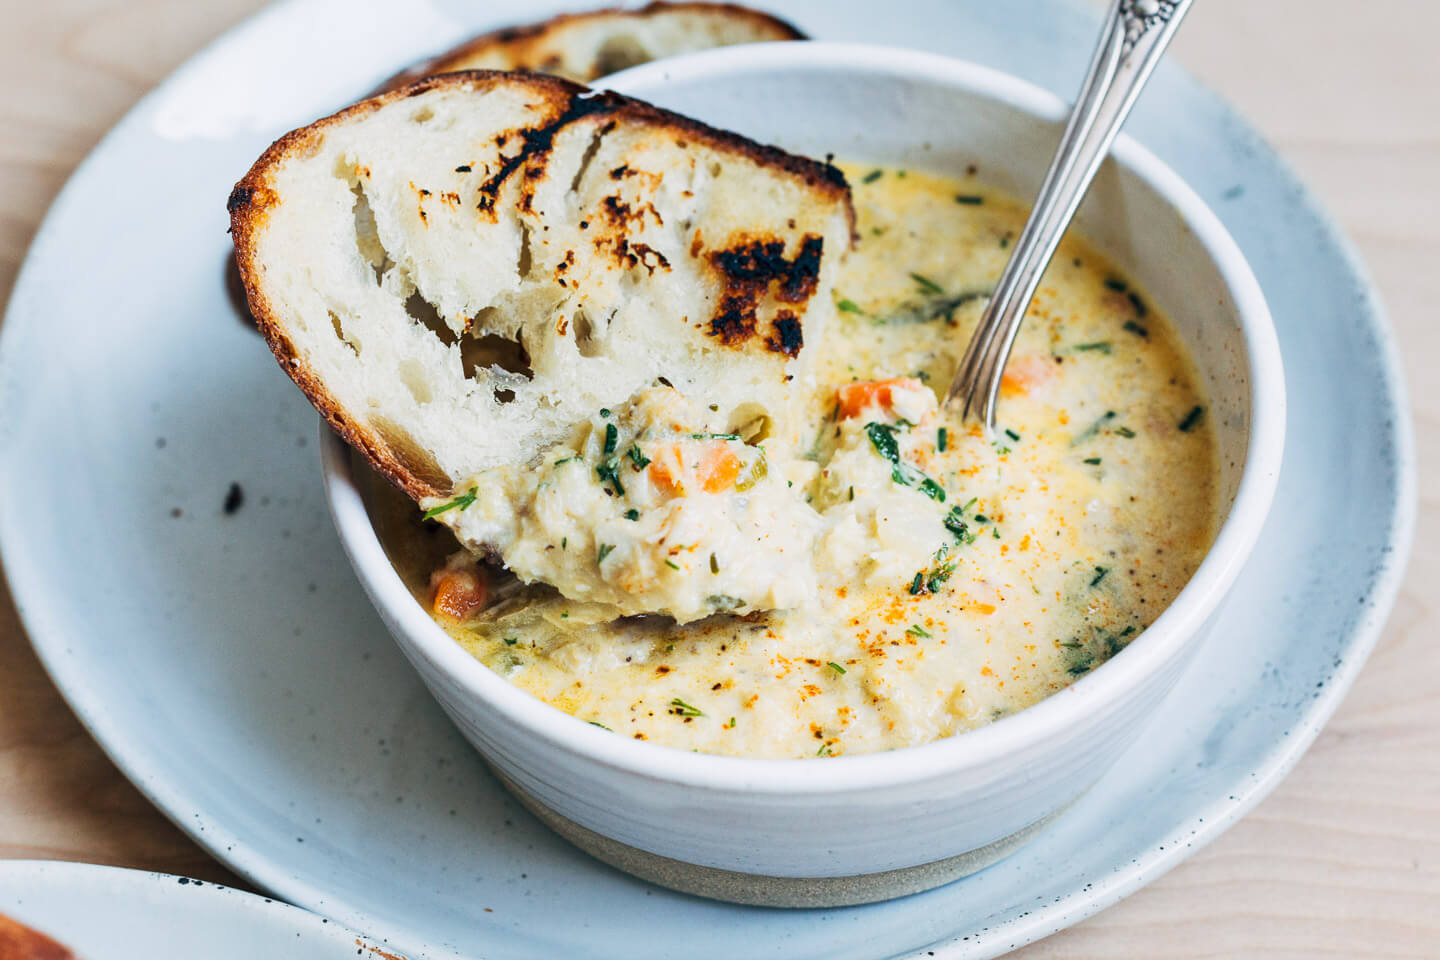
1380 595
154 883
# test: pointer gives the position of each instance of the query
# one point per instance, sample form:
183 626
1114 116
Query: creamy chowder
890 577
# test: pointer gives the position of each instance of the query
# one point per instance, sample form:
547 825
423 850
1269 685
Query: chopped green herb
1093 461
981 518
938 577
969 199
1136 329
852 493
823 751
837 668
612 437
632 514
730 724
609 472
714 564
882 437
1100 573
915 630
848 305
1094 428
460 502
715 436
955 523
926 284
1005 241
1116 284
872 176
1192 419
671 564
564 460
603 552
1012 435
511 641
995 532
681 708
918 584
637 458
942 439
604 412
1138 304
563 541
1125 432
1099 346
597 723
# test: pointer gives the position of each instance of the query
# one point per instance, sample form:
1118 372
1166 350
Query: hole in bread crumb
523 264
585 339
423 115
341 335
367 235
619 53
423 312
412 374
494 352
504 396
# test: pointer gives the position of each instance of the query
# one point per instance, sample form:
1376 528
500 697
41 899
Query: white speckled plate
105 913
232 667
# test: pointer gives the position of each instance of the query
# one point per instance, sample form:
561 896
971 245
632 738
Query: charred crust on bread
517 41
747 273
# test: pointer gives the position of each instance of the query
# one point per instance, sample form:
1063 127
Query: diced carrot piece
855 397
1023 374
459 594
713 466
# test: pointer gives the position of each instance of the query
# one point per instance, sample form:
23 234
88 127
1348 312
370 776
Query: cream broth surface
933 578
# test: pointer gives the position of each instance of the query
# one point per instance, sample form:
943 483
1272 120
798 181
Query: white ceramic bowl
857 828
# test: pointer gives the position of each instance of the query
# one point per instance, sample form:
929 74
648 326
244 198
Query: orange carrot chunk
677 468
459 594
855 397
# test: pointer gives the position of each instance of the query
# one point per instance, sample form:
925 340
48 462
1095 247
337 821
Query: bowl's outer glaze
859 815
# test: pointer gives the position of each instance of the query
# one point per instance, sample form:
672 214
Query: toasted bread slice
586 46
460 272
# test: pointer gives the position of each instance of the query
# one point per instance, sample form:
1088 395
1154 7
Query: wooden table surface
1342 860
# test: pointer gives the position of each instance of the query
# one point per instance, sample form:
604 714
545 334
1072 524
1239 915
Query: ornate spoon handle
1136 34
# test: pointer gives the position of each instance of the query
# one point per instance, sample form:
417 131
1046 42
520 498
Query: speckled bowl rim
1008 737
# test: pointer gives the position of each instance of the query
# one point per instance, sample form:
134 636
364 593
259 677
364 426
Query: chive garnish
1192 419
823 751
1136 329
872 176
1116 284
1125 432
917 584
969 199
671 564
604 411
682 709
1094 428
511 641
1099 346
597 723
837 668
461 502
603 552
1012 435
882 437
637 458
612 437
1138 304
848 305
715 436
632 514
714 564
1093 461
942 439
1100 573
915 630
926 284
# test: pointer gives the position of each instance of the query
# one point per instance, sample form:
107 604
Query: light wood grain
1342 861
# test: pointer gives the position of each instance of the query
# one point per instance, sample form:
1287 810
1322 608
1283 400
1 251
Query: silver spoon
1136 34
